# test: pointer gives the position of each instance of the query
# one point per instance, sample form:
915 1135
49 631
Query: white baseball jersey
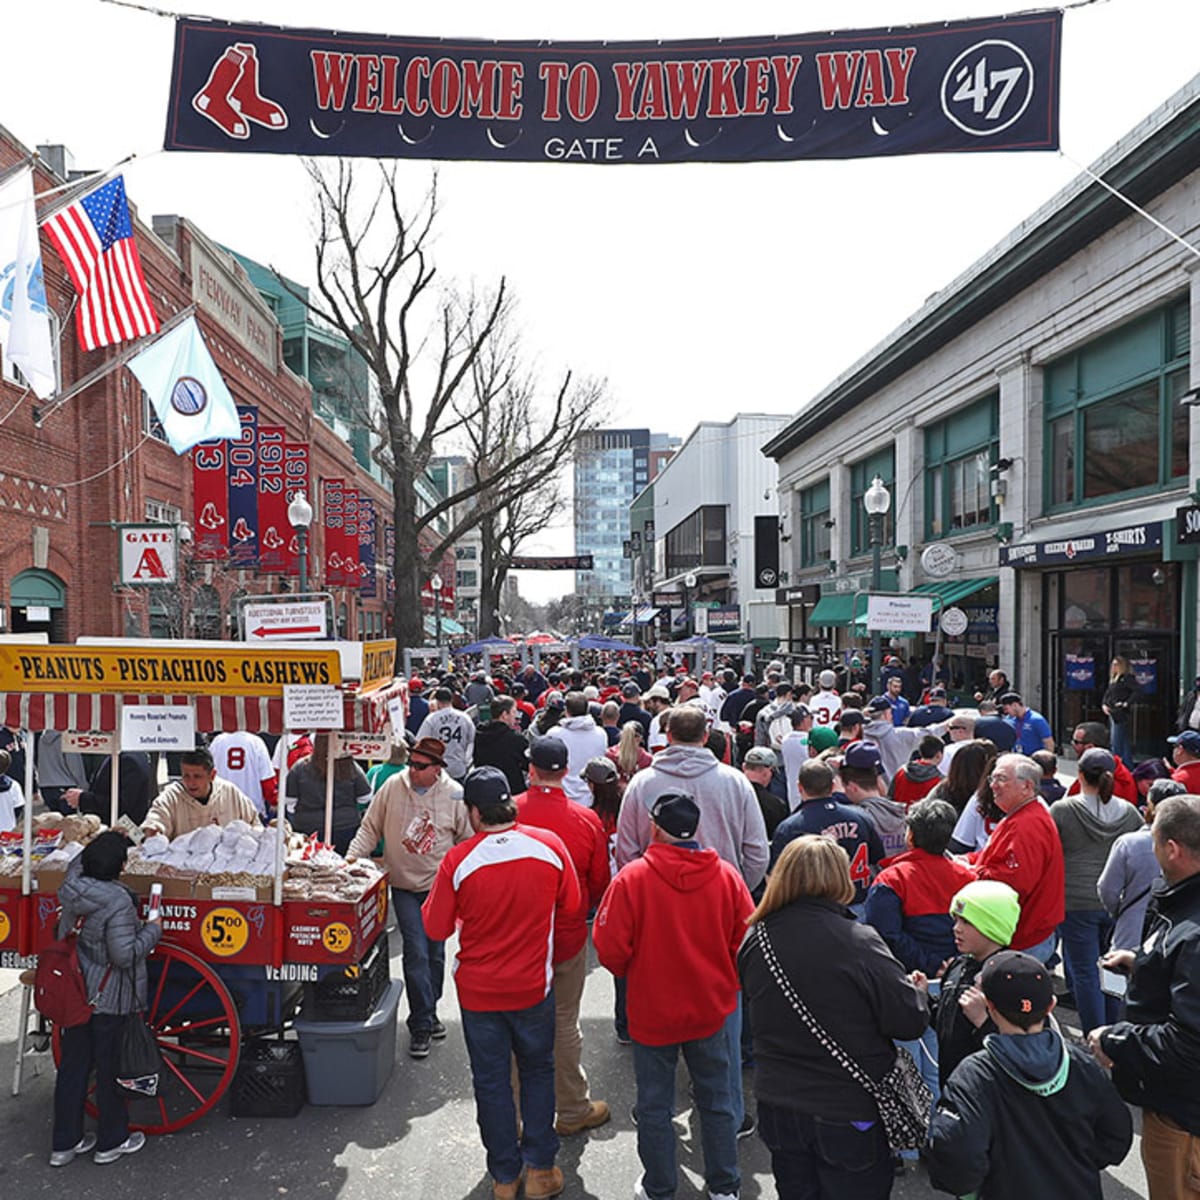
242 759
826 707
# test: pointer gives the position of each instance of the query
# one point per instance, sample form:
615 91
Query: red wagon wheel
196 1026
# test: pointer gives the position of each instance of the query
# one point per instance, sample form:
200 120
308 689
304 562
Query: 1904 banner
985 84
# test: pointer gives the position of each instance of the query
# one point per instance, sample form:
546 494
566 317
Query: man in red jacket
1186 757
671 924
504 890
1026 853
1092 735
547 806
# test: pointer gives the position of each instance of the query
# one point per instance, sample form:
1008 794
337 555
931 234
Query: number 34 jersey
847 825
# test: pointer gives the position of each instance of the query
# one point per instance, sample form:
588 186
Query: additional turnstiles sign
294 620
900 614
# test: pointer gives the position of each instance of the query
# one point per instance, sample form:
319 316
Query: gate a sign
149 554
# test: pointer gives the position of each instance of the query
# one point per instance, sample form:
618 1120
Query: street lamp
876 501
689 582
300 515
435 586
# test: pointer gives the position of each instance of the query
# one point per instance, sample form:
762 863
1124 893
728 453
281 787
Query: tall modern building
611 467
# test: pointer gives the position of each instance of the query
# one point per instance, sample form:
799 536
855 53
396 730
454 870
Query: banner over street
985 84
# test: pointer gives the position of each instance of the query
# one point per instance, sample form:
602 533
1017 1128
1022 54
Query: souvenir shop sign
1132 539
985 84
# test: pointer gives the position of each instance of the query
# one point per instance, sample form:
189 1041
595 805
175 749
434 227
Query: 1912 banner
985 84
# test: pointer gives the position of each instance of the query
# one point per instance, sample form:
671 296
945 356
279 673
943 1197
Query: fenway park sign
985 84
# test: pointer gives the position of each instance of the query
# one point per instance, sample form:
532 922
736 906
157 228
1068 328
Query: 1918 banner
984 84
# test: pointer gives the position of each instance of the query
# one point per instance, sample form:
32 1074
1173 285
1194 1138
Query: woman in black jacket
1118 698
822 1128
113 947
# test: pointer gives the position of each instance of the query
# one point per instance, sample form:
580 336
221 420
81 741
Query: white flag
186 389
24 319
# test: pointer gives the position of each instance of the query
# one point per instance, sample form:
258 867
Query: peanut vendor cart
232 960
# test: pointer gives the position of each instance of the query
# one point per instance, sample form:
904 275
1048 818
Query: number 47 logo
988 87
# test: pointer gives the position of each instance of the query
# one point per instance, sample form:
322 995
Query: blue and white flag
186 389
24 318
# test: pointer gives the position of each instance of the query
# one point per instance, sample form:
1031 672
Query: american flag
94 238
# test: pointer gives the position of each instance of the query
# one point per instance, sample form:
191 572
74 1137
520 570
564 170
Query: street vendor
199 798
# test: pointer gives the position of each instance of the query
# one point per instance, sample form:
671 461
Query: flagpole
41 412
71 190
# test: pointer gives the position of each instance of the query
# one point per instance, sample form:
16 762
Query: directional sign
298 620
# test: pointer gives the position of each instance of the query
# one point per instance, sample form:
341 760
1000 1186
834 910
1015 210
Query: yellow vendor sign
181 670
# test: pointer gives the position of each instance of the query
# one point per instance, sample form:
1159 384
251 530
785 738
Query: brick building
72 470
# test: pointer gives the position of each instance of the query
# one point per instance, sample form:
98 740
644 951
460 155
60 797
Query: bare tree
375 286
504 393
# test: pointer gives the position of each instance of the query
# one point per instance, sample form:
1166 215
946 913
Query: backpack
59 988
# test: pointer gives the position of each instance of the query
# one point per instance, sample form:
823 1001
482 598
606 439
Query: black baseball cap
1017 984
676 813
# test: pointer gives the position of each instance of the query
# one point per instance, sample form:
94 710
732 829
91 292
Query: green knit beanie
992 907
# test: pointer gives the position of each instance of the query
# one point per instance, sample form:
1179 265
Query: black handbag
902 1096
139 1062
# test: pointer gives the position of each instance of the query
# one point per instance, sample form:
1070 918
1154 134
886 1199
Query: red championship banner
273 528
210 501
333 518
295 479
350 559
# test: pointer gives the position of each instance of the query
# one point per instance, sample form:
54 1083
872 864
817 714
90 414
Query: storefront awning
951 591
837 609
450 627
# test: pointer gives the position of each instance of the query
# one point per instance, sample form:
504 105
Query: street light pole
877 501
435 586
300 515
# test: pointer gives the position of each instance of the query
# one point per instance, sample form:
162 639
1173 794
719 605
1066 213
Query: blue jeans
925 1054
423 960
493 1039
814 1159
1119 740
711 1062
1044 950
1085 937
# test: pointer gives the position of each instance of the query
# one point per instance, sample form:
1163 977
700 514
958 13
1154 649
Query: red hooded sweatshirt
671 923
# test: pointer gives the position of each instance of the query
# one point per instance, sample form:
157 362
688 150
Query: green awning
947 591
951 591
836 609
450 627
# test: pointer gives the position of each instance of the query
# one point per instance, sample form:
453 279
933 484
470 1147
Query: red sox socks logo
231 97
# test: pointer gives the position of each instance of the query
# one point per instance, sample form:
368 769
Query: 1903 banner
985 84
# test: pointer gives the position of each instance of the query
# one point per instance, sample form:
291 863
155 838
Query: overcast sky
695 290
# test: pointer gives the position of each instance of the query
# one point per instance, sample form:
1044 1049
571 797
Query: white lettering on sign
294 973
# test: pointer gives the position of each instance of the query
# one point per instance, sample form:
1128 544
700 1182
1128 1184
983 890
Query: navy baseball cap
485 786
1189 739
676 813
862 756
549 753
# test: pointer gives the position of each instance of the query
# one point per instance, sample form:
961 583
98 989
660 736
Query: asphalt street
419 1140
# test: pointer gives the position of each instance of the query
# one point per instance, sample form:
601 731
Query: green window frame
1114 426
815 525
883 464
959 454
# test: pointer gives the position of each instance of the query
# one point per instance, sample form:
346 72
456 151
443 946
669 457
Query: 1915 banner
985 84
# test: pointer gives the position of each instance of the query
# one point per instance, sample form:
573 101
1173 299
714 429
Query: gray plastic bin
350 1062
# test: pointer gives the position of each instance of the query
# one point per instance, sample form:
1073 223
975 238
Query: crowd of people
799 890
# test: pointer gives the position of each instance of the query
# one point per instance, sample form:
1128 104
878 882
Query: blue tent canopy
597 641
488 643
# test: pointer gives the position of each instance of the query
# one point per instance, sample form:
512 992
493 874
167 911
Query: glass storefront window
1085 599
1177 384
970 491
1146 595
